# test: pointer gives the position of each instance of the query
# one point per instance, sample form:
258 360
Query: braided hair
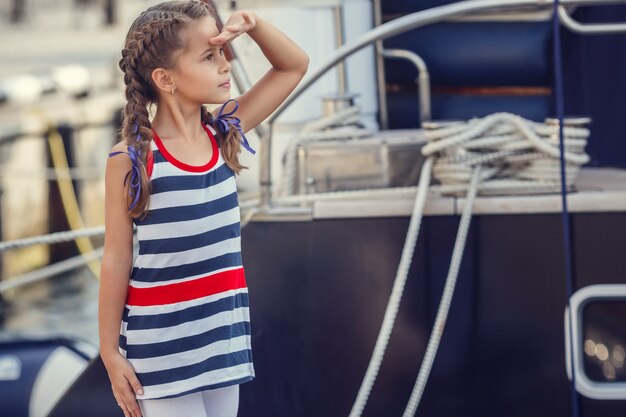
150 43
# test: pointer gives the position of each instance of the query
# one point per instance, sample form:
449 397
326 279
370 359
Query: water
66 305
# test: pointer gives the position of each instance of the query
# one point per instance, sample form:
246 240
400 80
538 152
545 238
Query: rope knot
135 173
224 121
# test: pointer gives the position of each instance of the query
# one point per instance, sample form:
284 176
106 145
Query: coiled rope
519 156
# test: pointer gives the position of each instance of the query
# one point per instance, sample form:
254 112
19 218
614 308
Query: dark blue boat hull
318 291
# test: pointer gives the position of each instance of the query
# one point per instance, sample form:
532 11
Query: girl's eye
210 56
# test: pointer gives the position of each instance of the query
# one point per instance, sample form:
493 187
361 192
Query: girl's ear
163 80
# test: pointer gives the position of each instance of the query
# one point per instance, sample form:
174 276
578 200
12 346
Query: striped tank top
186 323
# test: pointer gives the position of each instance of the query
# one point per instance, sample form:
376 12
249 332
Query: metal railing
399 26
423 79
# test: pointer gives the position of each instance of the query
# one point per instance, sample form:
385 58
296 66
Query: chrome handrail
423 79
384 31
383 116
586 28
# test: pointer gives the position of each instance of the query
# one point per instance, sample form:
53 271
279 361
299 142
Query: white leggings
220 402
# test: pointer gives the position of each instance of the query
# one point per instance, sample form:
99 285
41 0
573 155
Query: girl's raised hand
239 22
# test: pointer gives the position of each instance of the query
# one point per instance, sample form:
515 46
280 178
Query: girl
174 325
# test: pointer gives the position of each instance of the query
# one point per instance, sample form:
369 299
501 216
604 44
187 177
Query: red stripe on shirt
189 290
150 163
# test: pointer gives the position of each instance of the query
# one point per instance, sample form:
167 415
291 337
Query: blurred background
70 49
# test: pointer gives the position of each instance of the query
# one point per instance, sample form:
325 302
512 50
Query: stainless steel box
390 158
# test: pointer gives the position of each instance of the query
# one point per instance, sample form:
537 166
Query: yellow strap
68 196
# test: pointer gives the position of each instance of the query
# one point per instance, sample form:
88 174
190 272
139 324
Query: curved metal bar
423 78
384 31
588 2
396 27
383 112
588 29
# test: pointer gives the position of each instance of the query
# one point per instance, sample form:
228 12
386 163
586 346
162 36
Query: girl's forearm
280 51
111 302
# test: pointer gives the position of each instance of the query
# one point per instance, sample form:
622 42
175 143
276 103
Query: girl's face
201 68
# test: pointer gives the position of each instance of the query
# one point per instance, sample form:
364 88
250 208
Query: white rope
65 236
50 270
75 173
446 299
70 235
348 194
396 292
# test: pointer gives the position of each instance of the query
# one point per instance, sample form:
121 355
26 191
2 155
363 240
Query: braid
139 54
136 128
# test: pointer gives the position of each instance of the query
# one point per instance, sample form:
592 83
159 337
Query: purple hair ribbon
135 178
224 120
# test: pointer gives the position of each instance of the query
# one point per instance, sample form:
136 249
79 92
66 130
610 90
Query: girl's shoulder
117 148
119 163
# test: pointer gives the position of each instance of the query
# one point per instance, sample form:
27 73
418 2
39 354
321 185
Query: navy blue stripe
213 386
178 244
192 212
157 156
155 321
151 350
122 342
190 182
183 271
190 371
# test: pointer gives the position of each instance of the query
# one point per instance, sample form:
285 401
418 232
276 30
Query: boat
396 265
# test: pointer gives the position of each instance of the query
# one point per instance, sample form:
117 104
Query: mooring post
110 12
17 11
2 307
57 220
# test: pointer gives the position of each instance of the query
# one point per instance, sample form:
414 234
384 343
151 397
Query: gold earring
172 90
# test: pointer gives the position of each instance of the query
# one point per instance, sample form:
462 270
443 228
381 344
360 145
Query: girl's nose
226 65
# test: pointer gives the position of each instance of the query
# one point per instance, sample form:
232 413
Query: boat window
604 340
598 331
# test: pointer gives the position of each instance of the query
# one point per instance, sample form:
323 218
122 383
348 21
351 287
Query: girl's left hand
239 22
